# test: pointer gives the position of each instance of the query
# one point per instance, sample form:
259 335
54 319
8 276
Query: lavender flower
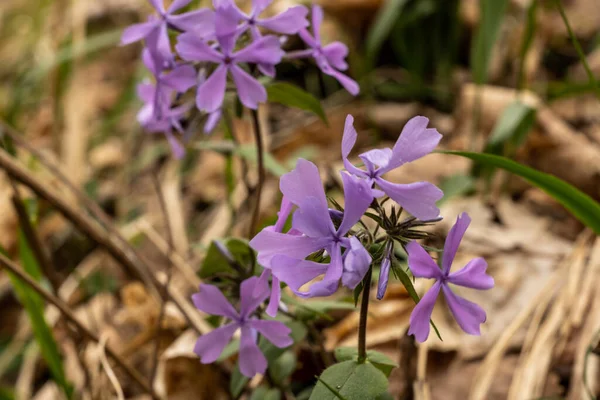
314 230
211 93
210 346
468 315
415 141
384 271
155 30
330 58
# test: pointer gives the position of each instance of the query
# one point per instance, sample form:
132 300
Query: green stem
260 157
364 311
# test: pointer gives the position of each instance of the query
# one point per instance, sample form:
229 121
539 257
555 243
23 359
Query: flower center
227 60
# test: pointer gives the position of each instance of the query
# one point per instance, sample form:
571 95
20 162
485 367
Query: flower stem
260 159
364 311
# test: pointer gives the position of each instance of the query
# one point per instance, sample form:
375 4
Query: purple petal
357 198
313 220
453 239
302 182
420 263
137 32
417 198
158 6
259 6
192 48
336 54
414 142
267 69
250 91
348 83
159 45
200 22
269 244
288 22
250 299
296 272
348 141
226 27
211 93
211 301
145 92
356 264
317 20
299 54
384 276
379 157
332 277
213 118
284 213
468 315
177 5
275 332
176 147
473 275
266 50
263 283
210 345
275 297
251 360
421 314
309 40
181 78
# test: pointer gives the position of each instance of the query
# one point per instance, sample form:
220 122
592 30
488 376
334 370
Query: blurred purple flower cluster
213 45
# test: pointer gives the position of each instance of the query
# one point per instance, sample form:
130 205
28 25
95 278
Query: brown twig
68 314
165 290
260 160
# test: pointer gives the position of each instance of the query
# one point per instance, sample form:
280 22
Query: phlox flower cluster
218 49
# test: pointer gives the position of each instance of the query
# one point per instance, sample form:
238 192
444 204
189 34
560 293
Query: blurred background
496 76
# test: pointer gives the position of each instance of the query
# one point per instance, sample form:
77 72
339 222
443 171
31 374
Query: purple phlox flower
468 315
331 58
314 230
155 29
288 22
210 346
211 93
275 297
415 141
384 271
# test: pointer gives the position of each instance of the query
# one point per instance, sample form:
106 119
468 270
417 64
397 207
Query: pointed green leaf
379 360
292 96
351 381
492 14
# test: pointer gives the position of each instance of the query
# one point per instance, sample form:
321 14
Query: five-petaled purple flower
210 346
331 59
314 230
415 141
155 31
468 315
211 93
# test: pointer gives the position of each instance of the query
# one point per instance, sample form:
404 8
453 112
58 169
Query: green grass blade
381 28
492 13
582 206
292 96
527 40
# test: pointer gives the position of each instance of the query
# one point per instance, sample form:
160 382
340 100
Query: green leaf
379 360
456 185
34 306
292 96
381 27
6 393
512 126
582 206
528 36
215 262
248 151
283 367
351 381
232 348
265 393
492 13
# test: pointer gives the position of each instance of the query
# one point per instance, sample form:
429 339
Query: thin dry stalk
422 391
108 369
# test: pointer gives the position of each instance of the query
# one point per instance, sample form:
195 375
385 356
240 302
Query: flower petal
200 22
251 360
414 142
259 6
275 297
268 244
302 182
284 213
176 147
211 93
348 141
192 48
288 22
331 280
210 345
213 302
137 32
473 275
453 239
317 20
177 4
348 83
417 198
249 298
275 332
159 45
267 69
468 315
313 220
296 272
213 118
356 264
309 40
357 198
384 276
379 157
266 50
420 263
250 91
336 54
158 6
421 314
181 78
